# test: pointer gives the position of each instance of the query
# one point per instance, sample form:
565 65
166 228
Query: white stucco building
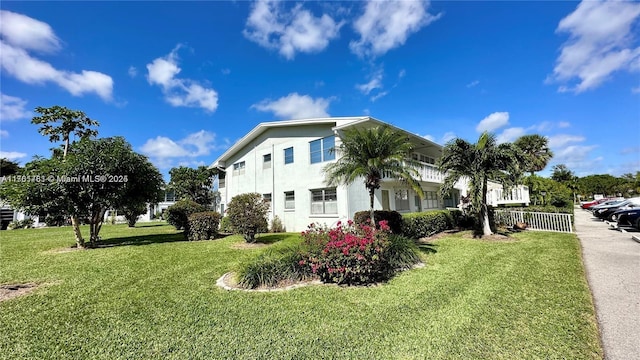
283 161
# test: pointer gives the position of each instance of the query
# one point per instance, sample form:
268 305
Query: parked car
588 204
628 218
606 203
606 212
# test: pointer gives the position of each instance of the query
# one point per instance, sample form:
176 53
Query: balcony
428 173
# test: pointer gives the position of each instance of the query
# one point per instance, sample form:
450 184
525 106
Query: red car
588 204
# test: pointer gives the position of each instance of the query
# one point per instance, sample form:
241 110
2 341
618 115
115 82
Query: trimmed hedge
248 215
426 223
393 218
178 213
225 225
203 225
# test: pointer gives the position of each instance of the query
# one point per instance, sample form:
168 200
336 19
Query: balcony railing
428 173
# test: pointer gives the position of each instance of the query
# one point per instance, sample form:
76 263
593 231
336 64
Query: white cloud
374 83
574 155
494 121
510 134
564 124
295 106
558 141
402 74
601 38
26 33
385 25
4 134
294 31
164 151
12 108
635 90
12 155
225 71
133 71
379 95
180 92
21 33
472 84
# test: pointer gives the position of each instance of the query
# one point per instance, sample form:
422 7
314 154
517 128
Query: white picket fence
536 220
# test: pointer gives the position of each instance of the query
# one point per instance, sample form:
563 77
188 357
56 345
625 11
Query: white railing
516 195
536 220
427 173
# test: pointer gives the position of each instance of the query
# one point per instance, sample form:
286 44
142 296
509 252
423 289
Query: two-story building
283 161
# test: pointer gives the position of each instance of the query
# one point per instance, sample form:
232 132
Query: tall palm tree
372 154
479 163
535 152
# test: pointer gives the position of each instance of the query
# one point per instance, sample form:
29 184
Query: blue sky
183 81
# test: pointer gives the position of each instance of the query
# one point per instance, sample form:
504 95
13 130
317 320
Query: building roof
341 124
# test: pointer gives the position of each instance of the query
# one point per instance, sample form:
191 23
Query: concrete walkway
612 263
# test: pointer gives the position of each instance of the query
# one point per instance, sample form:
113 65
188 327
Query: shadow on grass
270 238
428 248
146 225
137 240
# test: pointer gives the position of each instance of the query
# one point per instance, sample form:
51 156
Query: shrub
351 254
403 253
203 225
274 267
178 213
276 225
225 225
393 218
461 219
423 224
56 220
248 215
20 224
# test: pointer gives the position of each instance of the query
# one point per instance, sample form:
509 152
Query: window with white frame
238 168
423 158
321 150
266 161
324 201
267 199
289 200
431 200
288 155
402 200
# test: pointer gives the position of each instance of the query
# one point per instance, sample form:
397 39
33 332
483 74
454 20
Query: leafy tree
372 154
562 174
479 163
140 190
248 215
599 184
58 123
535 152
194 184
92 179
8 167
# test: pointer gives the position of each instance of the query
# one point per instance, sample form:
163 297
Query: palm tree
479 163
372 154
535 152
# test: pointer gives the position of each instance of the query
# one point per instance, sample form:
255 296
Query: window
423 158
402 200
266 197
266 161
238 168
324 201
321 150
289 200
288 155
431 200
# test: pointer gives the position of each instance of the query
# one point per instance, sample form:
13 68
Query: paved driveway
612 262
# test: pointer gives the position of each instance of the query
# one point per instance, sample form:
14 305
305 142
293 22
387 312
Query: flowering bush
348 254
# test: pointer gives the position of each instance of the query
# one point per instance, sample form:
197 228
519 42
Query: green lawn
152 295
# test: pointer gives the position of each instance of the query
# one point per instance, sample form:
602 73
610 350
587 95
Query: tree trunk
66 147
76 230
371 212
95 226
484 210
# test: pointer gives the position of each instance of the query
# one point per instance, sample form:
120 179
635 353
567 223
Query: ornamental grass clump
348 254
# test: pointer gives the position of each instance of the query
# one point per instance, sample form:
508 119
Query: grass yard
152 295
